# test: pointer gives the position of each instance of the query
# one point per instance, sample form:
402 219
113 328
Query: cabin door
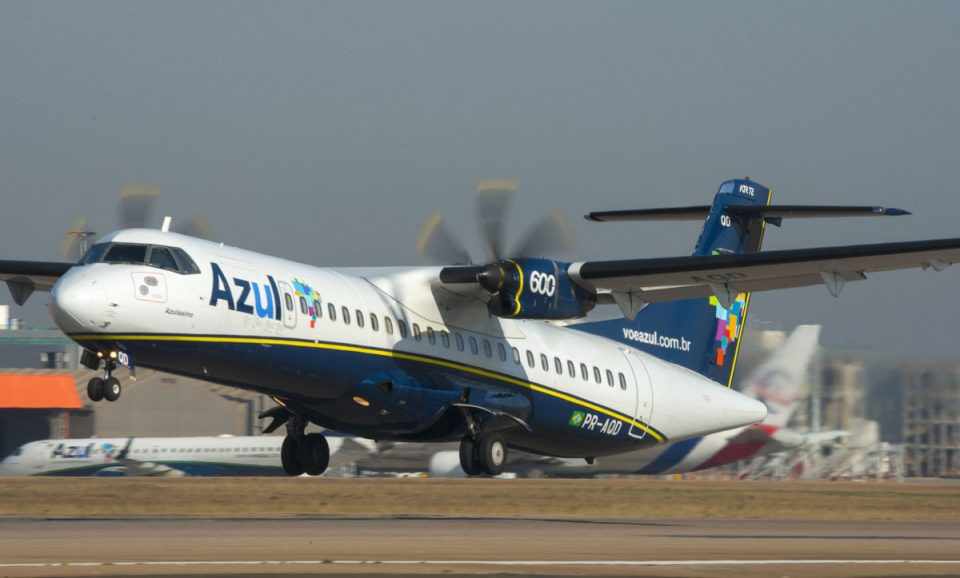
639 380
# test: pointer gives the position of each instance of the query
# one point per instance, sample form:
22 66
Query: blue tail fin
700 334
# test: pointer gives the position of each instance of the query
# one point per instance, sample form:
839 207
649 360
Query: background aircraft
168 456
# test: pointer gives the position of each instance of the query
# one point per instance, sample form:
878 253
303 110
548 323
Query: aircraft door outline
643 393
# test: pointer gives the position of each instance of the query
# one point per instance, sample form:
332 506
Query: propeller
76 239
197 226
135 210
136 205
552 236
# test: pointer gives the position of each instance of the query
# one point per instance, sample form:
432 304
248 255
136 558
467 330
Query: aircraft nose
77 303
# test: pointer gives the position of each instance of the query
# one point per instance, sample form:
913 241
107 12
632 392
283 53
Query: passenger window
530 361
288 300
571 369
388 325
558 365
402 328
501 351
345 314
584 372
374 322
609 378
544 362
445 338
459 339
303 306
359 318
136 254
431 336
332 311
318 308
596 374
516 355
416 332
162 258
487 350
474 348
623 382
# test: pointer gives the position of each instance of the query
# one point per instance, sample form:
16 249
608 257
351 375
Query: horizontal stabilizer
770 212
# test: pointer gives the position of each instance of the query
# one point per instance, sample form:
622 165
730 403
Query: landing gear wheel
111 389
468 458
313 453
95 389
492 454
288 456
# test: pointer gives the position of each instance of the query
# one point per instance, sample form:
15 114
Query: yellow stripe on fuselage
381 353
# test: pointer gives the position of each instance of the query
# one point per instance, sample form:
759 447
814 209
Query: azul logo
265 302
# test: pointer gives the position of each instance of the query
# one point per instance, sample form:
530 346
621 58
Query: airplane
470 352
778 382
165 456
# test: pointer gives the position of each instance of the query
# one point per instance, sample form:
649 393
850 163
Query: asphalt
467 546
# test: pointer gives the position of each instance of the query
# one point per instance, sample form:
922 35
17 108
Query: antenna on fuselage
167 222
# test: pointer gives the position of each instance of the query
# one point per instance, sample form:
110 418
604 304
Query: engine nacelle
534 289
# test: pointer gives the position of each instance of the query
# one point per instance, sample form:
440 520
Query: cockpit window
18 451
186 264
168 258
126 254
95 253
161 257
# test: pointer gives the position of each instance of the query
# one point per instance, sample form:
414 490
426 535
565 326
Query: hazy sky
326 132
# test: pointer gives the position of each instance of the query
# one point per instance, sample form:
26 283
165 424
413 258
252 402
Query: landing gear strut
107 387
303 453
486 454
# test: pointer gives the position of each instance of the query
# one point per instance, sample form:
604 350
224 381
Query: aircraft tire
95 389
112 389
289 457
492 453
469 462
313 453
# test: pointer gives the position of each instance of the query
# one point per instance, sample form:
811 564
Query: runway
465 546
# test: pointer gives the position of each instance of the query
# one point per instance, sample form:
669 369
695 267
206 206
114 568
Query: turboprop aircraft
469 352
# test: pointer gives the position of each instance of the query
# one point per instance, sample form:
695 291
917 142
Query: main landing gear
485 454
107 387
303 453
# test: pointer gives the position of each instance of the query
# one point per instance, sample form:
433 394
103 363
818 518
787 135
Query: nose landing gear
107 387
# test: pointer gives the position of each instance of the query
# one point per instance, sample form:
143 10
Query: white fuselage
622 392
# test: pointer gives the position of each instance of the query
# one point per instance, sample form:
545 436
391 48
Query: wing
25 277
666 279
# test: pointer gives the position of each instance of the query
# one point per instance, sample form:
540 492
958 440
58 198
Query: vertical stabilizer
701 334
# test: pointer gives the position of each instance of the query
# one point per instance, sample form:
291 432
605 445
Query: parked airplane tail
702 334
780 381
